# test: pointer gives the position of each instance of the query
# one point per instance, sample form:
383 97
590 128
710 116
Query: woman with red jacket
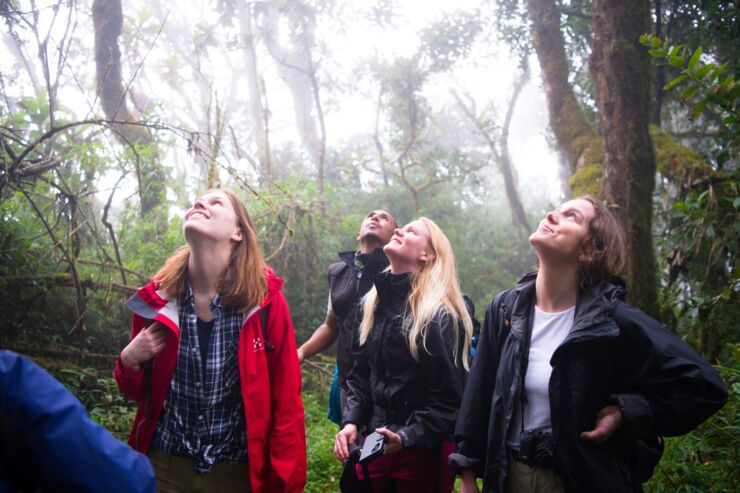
212 363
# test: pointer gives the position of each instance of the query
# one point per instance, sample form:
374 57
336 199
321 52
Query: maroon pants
413 470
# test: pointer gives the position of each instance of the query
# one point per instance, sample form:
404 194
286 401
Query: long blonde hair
243 284
434 286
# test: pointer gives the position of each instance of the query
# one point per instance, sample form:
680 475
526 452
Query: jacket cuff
126 372
350 418
637 416
408 437
458 462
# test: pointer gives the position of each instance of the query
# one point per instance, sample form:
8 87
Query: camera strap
525 361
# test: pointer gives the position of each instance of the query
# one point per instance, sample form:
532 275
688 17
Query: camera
537 447
373 447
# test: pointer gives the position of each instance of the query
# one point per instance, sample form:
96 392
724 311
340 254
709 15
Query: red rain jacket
270 383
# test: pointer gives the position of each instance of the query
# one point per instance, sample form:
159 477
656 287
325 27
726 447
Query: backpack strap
504 305
264 314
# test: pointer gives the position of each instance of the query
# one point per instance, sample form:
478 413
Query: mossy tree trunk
108 22
575 135
620 70
258 110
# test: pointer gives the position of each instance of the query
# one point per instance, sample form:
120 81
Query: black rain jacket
614 354
348 283
416 399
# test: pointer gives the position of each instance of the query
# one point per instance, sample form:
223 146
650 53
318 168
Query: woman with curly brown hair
571 387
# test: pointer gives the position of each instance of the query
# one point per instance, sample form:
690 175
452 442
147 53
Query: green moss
61 277
587 180
675 161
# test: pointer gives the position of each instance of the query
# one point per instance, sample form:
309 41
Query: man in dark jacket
349 280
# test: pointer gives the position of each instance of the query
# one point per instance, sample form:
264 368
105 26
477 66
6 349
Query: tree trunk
499 147
108 21
13 44
255 86
620 70
512 190
574 133
657 106
296 68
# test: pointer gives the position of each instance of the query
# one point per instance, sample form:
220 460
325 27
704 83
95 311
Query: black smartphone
373 447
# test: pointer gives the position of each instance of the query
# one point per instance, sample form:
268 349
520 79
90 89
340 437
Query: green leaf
718 100
660 53
726 85
704 70
734 93
689 93
736 203
717 73
695 58
676 61
655 41
698 109
674 50
675 82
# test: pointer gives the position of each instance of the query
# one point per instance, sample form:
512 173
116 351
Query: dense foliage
90 207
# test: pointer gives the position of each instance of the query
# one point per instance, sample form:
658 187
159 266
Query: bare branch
65 279
110 229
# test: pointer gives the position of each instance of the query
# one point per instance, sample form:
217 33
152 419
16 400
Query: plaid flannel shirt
205 419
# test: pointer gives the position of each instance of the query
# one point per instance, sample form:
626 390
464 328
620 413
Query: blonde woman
410 352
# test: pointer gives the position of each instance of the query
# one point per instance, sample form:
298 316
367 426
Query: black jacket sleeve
359 403
433 420
669 389
471 430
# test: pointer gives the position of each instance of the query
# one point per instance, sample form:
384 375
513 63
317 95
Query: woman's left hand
608 421
393 441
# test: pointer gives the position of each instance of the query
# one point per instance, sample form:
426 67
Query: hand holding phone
374 447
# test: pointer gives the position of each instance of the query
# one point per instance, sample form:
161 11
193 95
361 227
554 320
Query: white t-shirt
549 330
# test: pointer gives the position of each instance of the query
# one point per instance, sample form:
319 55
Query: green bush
101 398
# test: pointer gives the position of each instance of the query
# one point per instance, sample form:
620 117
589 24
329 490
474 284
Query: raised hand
146 345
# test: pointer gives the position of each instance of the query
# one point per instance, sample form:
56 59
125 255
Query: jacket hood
596 304
274 284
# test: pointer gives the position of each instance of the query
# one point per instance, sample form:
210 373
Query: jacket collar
374 262
594 308
392 288
152 304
